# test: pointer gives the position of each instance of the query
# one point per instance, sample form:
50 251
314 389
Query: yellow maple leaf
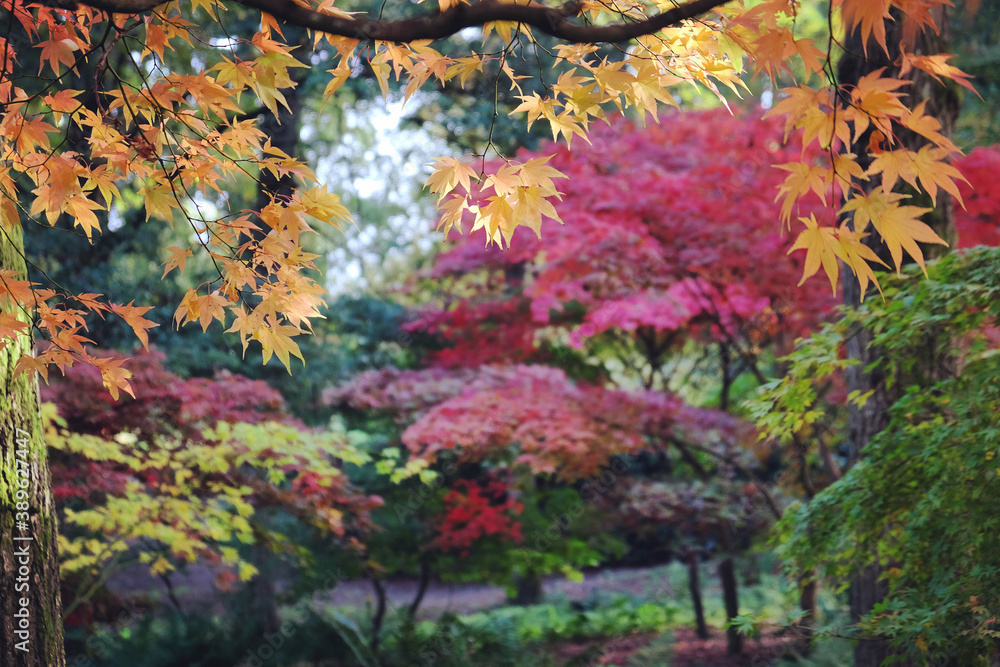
451 213
506 179
325 206
898 226
82 211
211 307
447 174
113 376
498 213
928 166
464 68
535 106
160 201
537 172
276 339
875 101
931 169
858 257
381 70
928 126
846 170
822 249
530 207
802 178
177 260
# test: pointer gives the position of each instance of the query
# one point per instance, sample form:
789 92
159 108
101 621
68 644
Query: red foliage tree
979 222
670 235
476 510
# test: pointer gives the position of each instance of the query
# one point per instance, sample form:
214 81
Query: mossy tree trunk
30 607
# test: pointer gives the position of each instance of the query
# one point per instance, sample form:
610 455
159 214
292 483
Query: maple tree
184 473
630 271
660 225
468 433
176 137
651 266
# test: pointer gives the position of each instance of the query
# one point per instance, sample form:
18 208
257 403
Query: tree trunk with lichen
30 606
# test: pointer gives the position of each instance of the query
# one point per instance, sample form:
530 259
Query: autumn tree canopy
95 104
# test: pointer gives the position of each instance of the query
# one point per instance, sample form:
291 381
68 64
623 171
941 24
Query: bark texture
31 630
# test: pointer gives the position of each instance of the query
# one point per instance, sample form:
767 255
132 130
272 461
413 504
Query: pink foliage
979 222
557 426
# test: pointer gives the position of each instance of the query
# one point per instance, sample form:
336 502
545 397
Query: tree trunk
425 580
694 585
529 589
730 596
730 590
381 603
807 604
30 606
865 423
262 591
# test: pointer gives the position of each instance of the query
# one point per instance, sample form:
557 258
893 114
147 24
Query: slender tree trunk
809 589
864 423
381 603
30 606
730 596
282 130
425 580
730 589
694 586
263 592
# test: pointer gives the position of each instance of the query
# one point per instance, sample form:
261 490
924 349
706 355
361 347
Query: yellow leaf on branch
899 226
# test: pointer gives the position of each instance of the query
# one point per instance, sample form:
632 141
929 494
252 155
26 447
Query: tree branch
549 20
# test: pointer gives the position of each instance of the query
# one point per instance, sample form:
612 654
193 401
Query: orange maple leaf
937 66
133 316
869 16
113 376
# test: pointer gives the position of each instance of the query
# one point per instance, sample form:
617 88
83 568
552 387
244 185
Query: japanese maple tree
669 236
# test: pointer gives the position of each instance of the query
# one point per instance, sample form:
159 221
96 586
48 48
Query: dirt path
443 597
194 589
